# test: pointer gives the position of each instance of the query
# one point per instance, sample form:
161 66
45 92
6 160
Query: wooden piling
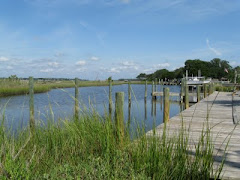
110 96
119 116
166 105
145 96
152 89
198 93
210 89
31 103
155 89
205 90
76 100
182 90
186 95
129 92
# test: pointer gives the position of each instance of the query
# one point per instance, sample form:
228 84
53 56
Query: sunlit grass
88 149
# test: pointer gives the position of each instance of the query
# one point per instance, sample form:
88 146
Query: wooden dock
221 111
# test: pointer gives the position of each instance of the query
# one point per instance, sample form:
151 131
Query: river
61 102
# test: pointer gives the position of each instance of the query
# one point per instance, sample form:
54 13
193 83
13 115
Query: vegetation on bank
88 149
11 87
216 69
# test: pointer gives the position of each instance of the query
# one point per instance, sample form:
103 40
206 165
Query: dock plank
216 112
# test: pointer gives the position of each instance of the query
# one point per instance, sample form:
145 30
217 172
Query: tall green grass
88 149
11 88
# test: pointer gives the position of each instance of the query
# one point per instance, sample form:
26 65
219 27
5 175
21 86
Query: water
61 103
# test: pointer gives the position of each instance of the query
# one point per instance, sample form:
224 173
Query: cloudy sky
95 39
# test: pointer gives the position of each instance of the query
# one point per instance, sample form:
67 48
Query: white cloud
128 63
234 63
94 58
53 64
3 59
218 53
156 67
163 65
114 70
81 63
47 70
81 69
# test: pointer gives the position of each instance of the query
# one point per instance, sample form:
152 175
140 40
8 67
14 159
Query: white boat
197 80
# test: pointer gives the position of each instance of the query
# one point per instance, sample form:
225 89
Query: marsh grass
88 149
12 88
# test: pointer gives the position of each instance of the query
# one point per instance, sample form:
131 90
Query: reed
89 149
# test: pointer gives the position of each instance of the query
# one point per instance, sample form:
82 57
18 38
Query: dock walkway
220 111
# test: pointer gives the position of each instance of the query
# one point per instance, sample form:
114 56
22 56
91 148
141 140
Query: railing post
76 100
182 89
152 89
210 89
129 92
145 96
119 116
166 105
31 104
205 90
198 93
155 85
186 95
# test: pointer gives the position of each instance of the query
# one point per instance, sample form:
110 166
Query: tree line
216 69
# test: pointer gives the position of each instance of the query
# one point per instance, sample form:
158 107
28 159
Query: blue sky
95 39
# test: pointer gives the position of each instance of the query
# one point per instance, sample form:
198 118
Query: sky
95 39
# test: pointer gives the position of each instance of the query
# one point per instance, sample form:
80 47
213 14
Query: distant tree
142 75
216 69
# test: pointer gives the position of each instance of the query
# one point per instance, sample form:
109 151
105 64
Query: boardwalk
221 110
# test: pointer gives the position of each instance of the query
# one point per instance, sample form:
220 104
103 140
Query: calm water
61 102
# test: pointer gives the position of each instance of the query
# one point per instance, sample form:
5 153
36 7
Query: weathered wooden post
166 105
205 90
31 104
182 89
155 85
76 100
152 89
119 116
129 92
210 89
145 96
110 96
198 93
186 95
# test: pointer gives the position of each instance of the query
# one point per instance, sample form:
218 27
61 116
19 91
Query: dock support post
166 105
198 93
186 95
119 116
204 90
76 99
182 89
145 96
155 85
129 92
152 89
110 96
31 104
210 89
